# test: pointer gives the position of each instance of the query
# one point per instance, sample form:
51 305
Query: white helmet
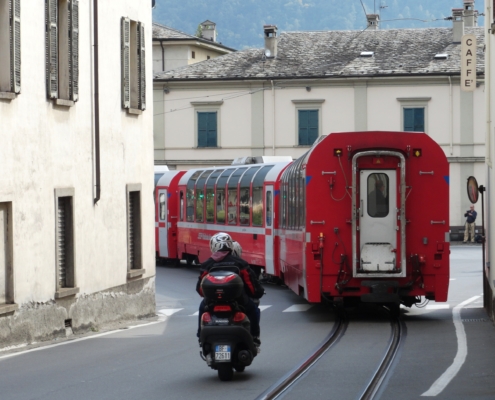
220 241
237 249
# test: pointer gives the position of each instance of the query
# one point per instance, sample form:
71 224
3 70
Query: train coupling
380 292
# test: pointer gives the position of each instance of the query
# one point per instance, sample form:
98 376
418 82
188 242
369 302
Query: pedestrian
470 224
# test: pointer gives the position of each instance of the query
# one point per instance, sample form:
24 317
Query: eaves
197 42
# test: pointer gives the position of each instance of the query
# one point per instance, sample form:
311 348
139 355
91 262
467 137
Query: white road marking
441 383
452 279
263 308
195 314
169 311
437 306
298 308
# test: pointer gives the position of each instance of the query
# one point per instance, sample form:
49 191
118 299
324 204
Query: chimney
270 40
373 21
458 24
209 31
470 14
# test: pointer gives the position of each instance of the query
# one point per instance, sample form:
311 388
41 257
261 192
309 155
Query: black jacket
252 286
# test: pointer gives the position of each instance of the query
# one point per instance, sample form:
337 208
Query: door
269 266
378 229
163 223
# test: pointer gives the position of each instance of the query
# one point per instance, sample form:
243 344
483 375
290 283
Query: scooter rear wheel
240 368
225 372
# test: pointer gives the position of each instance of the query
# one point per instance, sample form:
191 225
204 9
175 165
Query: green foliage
241 21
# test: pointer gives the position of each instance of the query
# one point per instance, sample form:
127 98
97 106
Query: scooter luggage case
224 285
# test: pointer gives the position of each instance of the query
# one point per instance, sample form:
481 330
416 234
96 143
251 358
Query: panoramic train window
232 195
293 193
163 209
210 195
190 196
258 195
200 196
378 200
222 181
245 195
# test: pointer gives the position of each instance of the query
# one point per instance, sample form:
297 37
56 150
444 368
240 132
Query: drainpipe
451 116
163 55
97 104
273 97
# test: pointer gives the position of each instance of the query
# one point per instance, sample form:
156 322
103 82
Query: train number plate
222 352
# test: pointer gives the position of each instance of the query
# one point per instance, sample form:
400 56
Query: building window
308 121
193 54
62 50
6 261
207 57
414 119
207 129
10 48
414 113
207 123
64 233
133 66
134 242
307 127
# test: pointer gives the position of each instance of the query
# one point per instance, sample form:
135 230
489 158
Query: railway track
376 382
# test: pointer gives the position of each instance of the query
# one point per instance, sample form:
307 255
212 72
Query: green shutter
408 119
308 127
207 129
414 119
212 129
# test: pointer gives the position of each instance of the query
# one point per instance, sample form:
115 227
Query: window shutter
312 126
142 67
303 127
15 46
202 129
419 120
126 61
74 49
212 130
408 119
51 43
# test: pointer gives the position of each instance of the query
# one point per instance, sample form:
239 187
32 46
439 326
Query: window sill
66 292
7 95
207 148
8 308
134 111
133 273
63 103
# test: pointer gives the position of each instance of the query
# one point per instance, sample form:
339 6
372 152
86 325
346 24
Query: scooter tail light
239 316
206 318
222 308
220 279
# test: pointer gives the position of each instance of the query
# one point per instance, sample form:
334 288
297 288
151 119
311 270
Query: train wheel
225 372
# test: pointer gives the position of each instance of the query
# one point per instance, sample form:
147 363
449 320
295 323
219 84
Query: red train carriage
239 200
366 215
166 213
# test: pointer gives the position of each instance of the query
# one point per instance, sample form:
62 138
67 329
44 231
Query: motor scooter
225 339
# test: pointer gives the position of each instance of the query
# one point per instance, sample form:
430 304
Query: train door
378 222
378 228
163 224
269 265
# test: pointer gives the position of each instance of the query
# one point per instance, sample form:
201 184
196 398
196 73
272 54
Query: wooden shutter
74 49
15 45
51 44
303 127
212 129
126 61
202 129
142 67
62 241
308 126
408 119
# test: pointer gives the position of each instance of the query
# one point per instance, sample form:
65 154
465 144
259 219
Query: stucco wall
44 147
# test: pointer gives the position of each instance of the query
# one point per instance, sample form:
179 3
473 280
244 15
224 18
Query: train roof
167 177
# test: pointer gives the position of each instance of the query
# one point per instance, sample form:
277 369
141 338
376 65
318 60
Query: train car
238 199
365 215
166 214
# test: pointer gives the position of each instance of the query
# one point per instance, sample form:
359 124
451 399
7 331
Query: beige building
76 170
277 100
173 49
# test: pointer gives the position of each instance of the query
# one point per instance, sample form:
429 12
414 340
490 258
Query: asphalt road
160 358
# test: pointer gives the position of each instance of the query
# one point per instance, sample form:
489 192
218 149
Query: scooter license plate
222 352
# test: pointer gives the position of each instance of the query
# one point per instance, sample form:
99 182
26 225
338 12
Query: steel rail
381 373
291 377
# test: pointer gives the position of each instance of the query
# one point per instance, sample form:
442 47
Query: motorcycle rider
222 248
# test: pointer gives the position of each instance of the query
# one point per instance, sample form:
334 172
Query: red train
361 215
